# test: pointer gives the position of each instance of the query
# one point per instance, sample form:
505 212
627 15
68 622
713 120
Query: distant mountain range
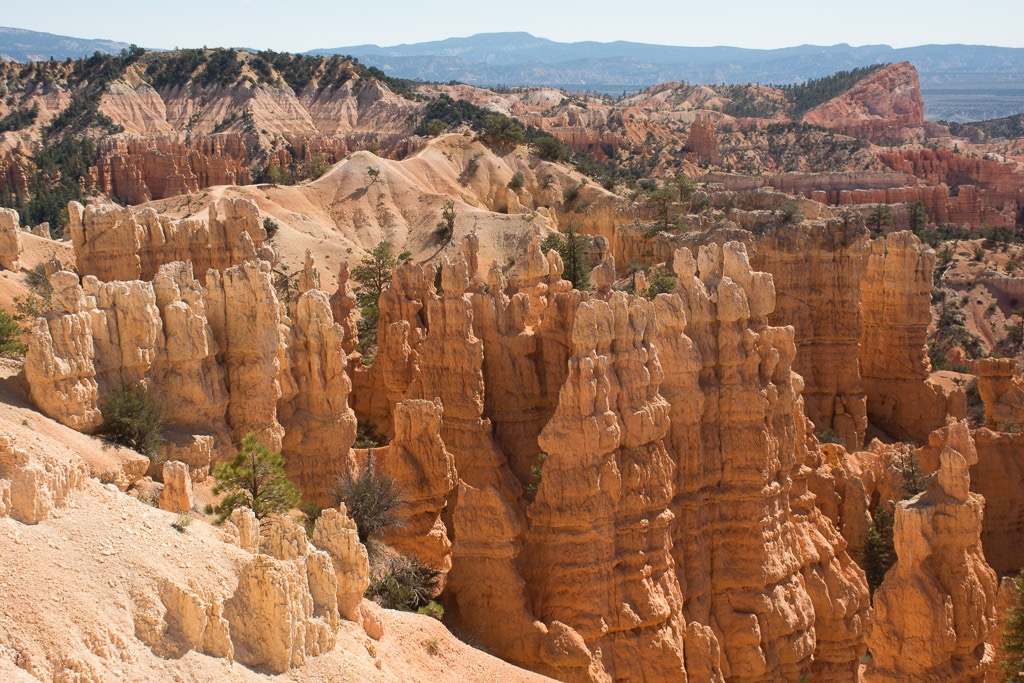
19 45
959 82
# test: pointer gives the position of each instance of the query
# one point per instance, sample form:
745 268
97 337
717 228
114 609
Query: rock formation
896 309
115 243
286 606
336 533
818 268
344 309
1002 389
424 470
603 391
216 359
887 105
313 409
176 495
935 608
998 476
10 239
32 486
702 142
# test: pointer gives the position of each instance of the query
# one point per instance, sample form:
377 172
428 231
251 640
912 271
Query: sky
301 25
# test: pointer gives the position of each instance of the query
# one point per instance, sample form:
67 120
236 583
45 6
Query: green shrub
10 337
1013 635
131 419
400 581
371 498
254 479
446 226
271 226
182 522
433 610
659 281
550 148
879 551
828 435
518 181
789 213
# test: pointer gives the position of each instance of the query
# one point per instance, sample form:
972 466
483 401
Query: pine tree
880 217
254 479
573 250
1013 636
10 337
374 276
879 551
917 217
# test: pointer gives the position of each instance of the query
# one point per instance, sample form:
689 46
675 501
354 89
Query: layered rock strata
896 309
615 417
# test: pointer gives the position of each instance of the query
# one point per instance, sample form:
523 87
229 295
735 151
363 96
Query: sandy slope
346 211
70 586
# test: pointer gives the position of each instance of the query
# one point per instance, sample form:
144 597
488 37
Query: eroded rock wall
896 309
218 360
818 268
678 420
121 243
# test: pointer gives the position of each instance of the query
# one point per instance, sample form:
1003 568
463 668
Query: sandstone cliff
623 372
10 239
896 308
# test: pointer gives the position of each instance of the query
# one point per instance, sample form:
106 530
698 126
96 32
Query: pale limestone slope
71 587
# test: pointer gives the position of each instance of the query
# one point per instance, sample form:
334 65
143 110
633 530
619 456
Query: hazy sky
300 25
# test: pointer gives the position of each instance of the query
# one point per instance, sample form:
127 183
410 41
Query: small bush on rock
10 337
371 499
399 581
131 419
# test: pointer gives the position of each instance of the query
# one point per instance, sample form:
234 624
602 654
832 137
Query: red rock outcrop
818 268
1002 390
629 376
115 243
935 609
701 140
896 309
990 192
886 105
139 169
